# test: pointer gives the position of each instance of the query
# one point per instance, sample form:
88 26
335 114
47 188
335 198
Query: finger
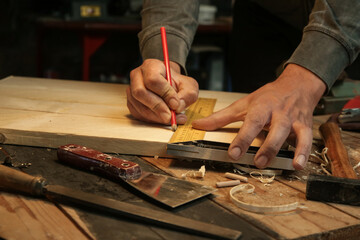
142 112
254 122
234 112
154 76
147 100
188 92
149 116
181 118
279 131
303 145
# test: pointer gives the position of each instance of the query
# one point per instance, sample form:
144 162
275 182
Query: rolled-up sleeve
180 20
331 40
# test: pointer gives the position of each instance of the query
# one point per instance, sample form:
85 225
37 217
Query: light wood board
50 113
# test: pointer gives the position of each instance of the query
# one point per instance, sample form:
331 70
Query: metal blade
218 152
170 191
159 218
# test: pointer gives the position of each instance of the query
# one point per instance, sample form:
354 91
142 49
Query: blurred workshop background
97 40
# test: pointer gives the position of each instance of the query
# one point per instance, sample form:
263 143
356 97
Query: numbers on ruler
203 107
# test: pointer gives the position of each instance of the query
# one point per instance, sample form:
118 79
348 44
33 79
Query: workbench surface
25 217
49 113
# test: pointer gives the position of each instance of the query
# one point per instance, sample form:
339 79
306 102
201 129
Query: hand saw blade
170 191
15 180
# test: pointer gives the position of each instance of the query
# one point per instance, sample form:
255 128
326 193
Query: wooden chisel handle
15 180
337 152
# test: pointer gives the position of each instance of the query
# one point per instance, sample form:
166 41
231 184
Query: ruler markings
203 107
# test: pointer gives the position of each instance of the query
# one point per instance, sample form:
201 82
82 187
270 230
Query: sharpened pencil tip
174 127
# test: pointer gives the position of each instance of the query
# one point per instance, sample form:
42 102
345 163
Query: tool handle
337 152
98 162
16 180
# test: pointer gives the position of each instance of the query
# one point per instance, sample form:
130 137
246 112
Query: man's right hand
150 97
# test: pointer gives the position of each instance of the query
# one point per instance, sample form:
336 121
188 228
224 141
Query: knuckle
190 97
195 83
282 119
133 73
155 106
256 122
271 149
303 128
244 142
193 95
137 93
152 80
147 62
166 93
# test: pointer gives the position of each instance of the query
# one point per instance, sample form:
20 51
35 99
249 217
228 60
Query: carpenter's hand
150 96
285 106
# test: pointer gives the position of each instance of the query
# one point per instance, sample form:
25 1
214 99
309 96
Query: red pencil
168 74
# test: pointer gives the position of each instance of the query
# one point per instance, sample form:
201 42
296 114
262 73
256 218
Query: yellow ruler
203 107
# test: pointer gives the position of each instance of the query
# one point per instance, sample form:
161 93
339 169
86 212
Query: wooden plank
30 218
312 220
49 113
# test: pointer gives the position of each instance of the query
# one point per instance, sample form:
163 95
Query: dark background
62 50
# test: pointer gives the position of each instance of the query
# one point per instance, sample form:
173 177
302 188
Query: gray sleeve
180 20
331 40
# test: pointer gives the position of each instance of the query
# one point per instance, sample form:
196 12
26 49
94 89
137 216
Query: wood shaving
322 159
356 166
195 174
292 177
257 208
261 178
266 172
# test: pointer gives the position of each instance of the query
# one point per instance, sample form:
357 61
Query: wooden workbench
25 217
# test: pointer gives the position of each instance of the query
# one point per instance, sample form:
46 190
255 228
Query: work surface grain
34 216
29 105
50 113
95 224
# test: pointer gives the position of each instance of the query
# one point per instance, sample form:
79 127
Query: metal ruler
203 107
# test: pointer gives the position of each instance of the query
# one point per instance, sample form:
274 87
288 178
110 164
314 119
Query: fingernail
182 106
301 160
235 153
165 116
261 161
181 118
173 103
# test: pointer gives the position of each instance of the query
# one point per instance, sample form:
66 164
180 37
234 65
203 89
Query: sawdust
195 174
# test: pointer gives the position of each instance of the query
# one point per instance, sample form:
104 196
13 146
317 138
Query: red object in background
353 103
91 44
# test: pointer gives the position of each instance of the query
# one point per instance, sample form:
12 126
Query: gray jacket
330 42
